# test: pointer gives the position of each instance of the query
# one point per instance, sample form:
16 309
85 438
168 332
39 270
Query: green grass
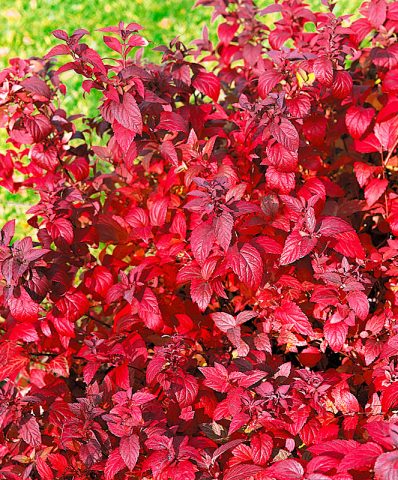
25 30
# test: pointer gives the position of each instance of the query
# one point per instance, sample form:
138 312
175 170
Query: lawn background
25 30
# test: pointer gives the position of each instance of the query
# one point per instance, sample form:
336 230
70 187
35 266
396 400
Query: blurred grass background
25 30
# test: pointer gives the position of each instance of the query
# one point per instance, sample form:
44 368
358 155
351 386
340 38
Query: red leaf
129 450
113 43
12 360
261 444
323 70
291 315
358 302
374 190
377 12
23 308
208 84
286 134
281 181
30 431
348 244
363 456
246 263
298 245
335 334
202 240
223 225
342 85
242 472
113 465
267 81
186 389
386 466
389 397
358 120
216 377
224 321
286 470
330 226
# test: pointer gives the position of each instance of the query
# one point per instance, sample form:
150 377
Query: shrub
212 293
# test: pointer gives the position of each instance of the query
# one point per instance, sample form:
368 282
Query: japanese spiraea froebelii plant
211 289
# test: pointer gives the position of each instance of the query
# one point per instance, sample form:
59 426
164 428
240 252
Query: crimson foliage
212 293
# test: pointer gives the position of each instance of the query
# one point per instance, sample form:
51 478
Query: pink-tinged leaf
216 377
247 264
137 41
113 43
337 447
299 106
358 302
43 469
223 225
7 233
335 334
363 456
374 190
344 400
37 86
386 132
262 445
325 296
224 448
262 342
58 50
129 450
158 211
202 240
172 122
386 466
373 349
90 453
330 226
29 431
286 470
91 56
377 12
376 323
363 172
60 34
208 84
267 81
342 85
224 321
266 245
113 465
128 114
323 70
286 134
23 308
358 120
186 389
291 315
281 158
280 181
201 293
242 472
297 245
